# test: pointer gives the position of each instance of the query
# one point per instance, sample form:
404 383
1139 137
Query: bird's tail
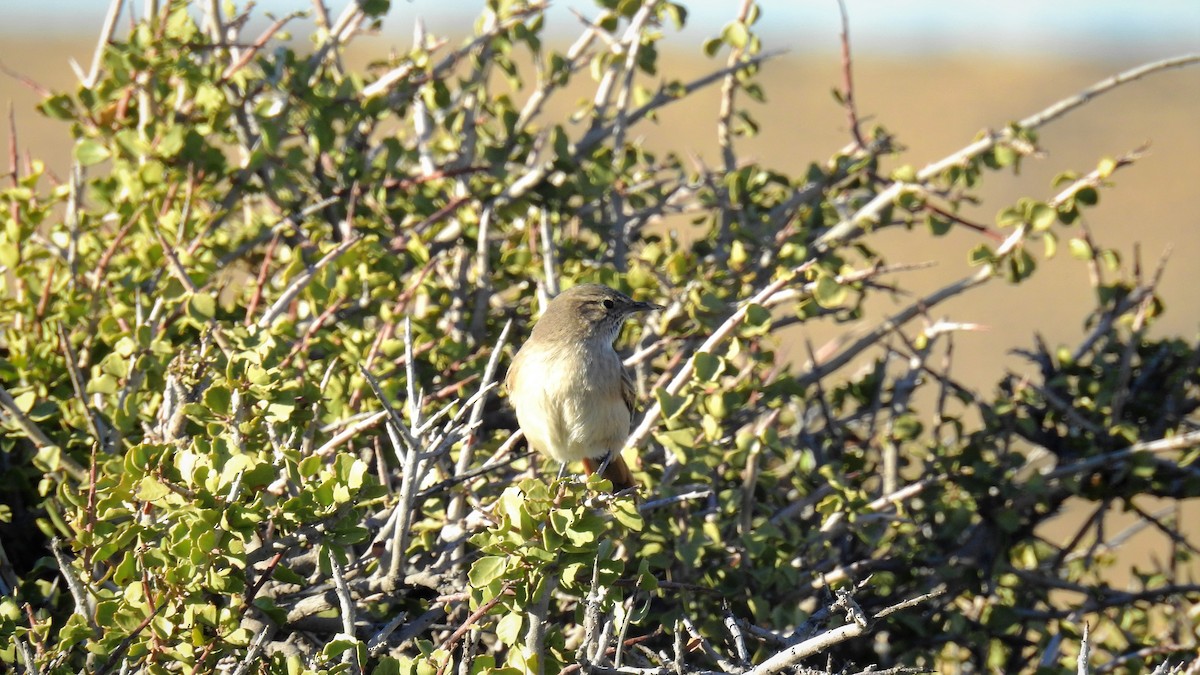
614 469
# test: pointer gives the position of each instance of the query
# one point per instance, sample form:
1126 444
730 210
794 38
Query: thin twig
1180 442
724 330
848 79
454 512
35 434
725 112
351 431
549 253
851 226
301 280
106 33
787 658
347 607
983 275
539 614
631 43
256 648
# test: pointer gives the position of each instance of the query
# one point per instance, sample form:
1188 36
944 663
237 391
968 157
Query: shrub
251 345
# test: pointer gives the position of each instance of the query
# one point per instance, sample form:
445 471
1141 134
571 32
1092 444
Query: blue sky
1083 28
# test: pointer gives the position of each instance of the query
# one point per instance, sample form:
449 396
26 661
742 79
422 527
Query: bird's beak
644 307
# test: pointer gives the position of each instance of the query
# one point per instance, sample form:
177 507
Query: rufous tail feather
617 471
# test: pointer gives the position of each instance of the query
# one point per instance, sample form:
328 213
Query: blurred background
933 72
1079 28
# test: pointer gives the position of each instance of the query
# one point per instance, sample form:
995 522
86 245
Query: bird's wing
512 371
629 394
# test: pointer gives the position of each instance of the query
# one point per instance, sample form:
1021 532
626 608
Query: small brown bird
573 395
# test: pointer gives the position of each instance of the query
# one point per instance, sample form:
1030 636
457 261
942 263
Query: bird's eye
608 303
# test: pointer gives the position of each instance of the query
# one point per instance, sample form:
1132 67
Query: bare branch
723 331
851 227
301 280
106 34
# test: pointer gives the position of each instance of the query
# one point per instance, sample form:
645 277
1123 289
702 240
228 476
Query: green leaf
1051 244
218 399
735 34
829 293
907 427
486 570
678 441
89 152
1009 217
10 254
561 520
150 490
358 473
48 458
754 14
707 366
202 307
1004 155
375 7
677 14
285 574
1064 178
389 665
508 628
57 107
561 143
342 643
1020 265
627 8
1042 216
1088 196
1008 520
757 316
309 466
1068 212
104 384
1079 249
1111 259
905 174
980 255
717 406
625 512
938 226
280 411
672 405
268 607
585 534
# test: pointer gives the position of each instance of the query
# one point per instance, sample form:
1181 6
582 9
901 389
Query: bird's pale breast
570 404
